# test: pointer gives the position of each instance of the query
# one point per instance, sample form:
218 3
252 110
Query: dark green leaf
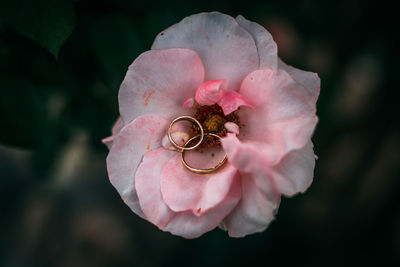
48 22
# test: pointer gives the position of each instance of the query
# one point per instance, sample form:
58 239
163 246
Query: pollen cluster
212 118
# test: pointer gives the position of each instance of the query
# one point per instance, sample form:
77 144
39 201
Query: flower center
213 119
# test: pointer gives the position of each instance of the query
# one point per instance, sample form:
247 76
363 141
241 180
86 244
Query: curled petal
118 124
147 184
309 80
136 138
158 82
291 175
295 172
179 137
248 156
232 127
189 103
210 92
231 101
108 141
284 114
183 190
189 225
255 210
226 49
260 195
266 46
186 223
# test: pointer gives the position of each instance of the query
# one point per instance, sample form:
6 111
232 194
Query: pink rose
211 64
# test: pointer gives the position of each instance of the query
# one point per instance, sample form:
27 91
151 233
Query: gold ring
187 118
202 171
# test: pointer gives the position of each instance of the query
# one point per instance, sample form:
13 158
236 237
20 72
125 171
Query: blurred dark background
61 63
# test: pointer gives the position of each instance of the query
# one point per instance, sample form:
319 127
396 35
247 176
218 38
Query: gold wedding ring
201 171
185 147
186 118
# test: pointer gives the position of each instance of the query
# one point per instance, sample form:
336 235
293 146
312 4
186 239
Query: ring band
202 171
187 118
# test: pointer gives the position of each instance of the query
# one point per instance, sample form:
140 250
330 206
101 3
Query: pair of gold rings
185 147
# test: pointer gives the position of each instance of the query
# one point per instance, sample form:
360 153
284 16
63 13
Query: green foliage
47 22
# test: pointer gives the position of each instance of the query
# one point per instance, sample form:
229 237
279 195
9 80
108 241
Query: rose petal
189 103
139 136
266 46
284 114
189 225
294 173
254 159
232 127
183 190
255 210
231 100
260 195
147 184
185 224
179 138
291 175
226 49
117 127
108 141
118 124
158 82
309 80
211 92
249 156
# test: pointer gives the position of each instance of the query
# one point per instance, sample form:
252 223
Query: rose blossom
209 64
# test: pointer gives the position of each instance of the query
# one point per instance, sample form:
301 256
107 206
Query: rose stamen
213 120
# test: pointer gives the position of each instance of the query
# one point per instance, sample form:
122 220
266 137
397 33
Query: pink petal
284 114
309 80
249 156
189 225
291 175
226 49
179 137
185 224
189 103
255 210
147 183
294 173
183 190
158 82
210 92
260 195
266 46
231 100
108 141
232 127
118 124
137 137
117 127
